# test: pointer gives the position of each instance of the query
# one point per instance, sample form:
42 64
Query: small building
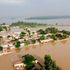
19 66
6 49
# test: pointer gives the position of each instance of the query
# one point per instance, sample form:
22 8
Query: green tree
38 40
65 32
54 30
1 39
17 45
28 60
49 63
51 30
42 37
1 48
33 41
61 36
43 68
53 36
22 34
41 31
26 42
1 29
28 32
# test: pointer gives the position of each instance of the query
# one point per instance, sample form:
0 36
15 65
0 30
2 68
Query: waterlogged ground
59 51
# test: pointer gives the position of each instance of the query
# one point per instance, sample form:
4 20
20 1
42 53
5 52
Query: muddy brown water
59 51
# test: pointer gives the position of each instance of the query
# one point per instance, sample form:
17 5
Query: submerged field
59 51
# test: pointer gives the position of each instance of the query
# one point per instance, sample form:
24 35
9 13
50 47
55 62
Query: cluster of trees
31 63
54 33
26 42
48 30
27 24
30 41
3 27
65 32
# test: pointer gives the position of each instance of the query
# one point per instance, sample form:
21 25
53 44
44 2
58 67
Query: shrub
33 41
65 32
1 48
42 37
17 45
26 42
41 31
22 34
53 37
1 28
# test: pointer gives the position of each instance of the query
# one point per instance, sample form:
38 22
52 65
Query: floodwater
59 51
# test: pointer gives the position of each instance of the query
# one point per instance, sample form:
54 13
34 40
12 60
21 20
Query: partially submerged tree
51 30
42 37
41 31
1 48
31 62
53 37
61 36
1 39
38 40
26 42
33 41
17 45
65 32
1 29
22 34
28 60
49 63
